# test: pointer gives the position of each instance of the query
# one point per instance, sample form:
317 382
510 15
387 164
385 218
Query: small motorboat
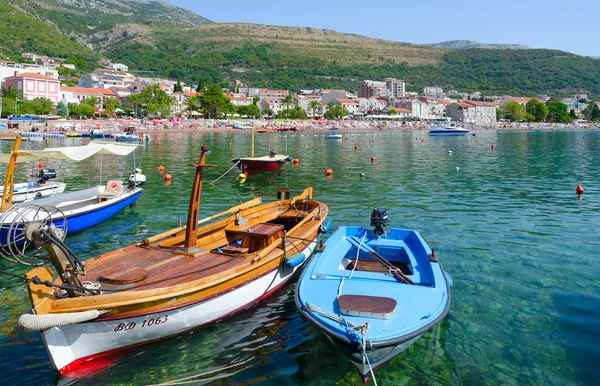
38 187
129 135
170 283
448 130
333 133
374 292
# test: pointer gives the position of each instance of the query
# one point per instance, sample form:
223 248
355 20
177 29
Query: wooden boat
171 283
73 211
374 293
253 165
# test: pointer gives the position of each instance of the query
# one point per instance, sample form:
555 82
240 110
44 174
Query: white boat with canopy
78 209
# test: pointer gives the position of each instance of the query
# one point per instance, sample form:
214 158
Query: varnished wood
194 209
9 183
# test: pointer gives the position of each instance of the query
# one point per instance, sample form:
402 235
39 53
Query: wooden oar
394 271
174 231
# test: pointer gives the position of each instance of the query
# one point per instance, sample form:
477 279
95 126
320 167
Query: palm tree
111 105
314 105
11 93
92 101
44 105
135 100
287 101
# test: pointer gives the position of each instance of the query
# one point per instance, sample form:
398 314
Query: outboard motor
379 219
45 174
137 178
272 153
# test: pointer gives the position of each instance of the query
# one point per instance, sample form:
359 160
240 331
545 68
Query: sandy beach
209 126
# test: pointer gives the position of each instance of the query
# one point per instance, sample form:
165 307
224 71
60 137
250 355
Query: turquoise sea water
521 248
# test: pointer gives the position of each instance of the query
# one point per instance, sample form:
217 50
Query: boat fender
33 322
448 279
288 158
326 225
295 260
282 161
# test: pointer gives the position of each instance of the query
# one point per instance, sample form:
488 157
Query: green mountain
170 42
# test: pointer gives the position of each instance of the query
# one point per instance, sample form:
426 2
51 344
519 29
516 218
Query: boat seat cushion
376 307
113 188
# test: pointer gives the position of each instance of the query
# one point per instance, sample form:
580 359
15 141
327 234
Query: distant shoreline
203 126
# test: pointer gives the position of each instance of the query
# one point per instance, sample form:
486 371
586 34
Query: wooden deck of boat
162 266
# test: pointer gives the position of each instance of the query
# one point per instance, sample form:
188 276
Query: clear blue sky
563 25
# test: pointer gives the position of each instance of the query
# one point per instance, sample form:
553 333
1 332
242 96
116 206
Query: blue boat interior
403 249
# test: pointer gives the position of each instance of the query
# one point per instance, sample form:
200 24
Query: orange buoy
328 172
373 159
161 169
41 165
304 145
168 182
493 146
168 177
296 162
355 147
579 189
416 139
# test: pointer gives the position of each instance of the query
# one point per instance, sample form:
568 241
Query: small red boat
253 165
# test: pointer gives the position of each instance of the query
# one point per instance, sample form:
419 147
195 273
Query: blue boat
374 293
68 212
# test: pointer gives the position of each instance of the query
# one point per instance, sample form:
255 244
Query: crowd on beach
170 125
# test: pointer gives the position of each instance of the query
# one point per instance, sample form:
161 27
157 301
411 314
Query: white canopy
73 153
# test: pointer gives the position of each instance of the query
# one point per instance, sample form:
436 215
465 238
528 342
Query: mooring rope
223 175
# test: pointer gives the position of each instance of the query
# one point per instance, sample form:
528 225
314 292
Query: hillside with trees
176 43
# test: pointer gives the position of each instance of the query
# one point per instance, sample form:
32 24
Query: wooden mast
191 230
252 152
9 183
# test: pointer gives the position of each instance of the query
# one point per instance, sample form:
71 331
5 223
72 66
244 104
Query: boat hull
449 131
76 348
28 192
77 220
254 166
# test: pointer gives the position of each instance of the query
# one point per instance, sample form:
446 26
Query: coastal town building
273 93
395 87
350 104
305 101
118 67
483 113
331 95
275 105
238 100
400 112
42 60
34 85
433 91
8 68
78 95
369 88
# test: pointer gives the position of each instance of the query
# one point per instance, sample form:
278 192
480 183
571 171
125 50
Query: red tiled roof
32 75
347 101
90 91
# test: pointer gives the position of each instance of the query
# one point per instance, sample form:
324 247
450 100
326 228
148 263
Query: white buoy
449 151
457 168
